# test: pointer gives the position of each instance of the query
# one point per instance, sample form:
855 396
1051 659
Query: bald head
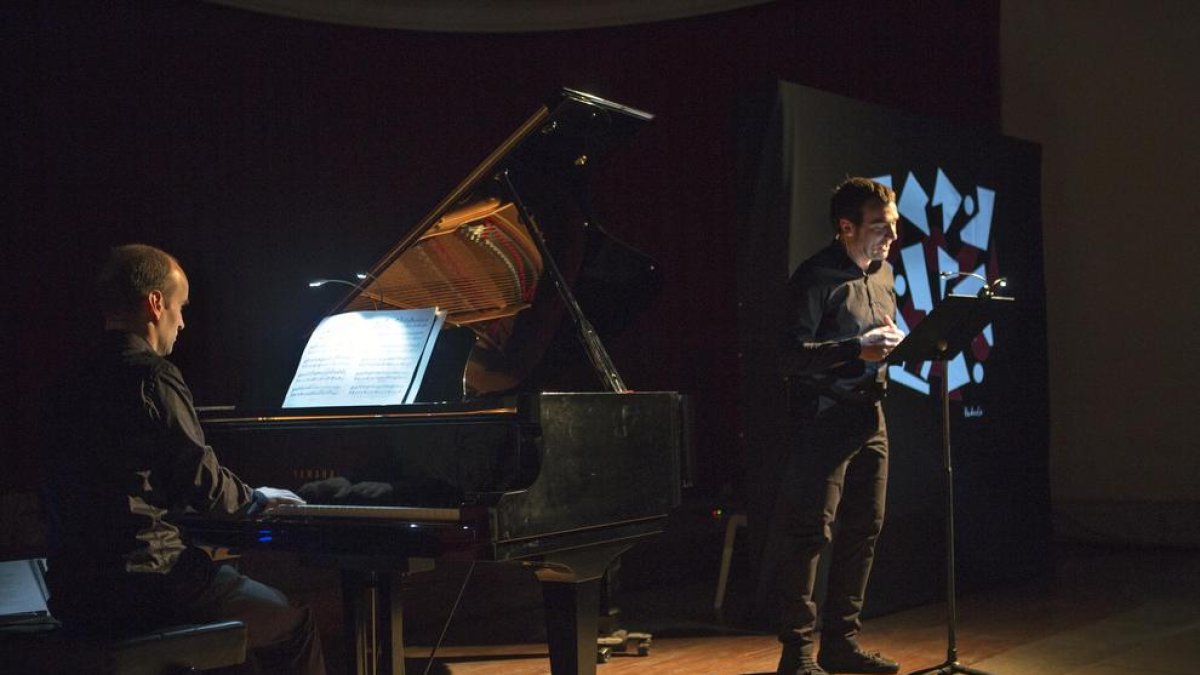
131 272
143 290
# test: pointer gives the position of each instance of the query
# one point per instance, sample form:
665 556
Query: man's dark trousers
839 472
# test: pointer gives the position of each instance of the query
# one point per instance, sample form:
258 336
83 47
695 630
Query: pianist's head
143 291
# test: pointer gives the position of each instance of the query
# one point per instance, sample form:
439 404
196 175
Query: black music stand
945 332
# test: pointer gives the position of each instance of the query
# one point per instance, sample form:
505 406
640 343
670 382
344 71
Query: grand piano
488 466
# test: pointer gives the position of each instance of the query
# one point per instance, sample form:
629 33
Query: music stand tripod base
948 668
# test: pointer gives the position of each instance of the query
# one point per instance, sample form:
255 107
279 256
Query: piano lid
504 284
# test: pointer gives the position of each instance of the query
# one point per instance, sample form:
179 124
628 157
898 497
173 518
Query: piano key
414 513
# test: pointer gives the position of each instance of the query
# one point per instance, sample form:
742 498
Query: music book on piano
23 593
367 358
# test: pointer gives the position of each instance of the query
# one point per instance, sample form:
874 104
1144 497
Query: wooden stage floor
1104 612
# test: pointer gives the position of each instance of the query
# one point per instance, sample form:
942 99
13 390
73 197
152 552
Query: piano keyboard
416 513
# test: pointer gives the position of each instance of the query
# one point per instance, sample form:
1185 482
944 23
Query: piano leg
572 625
571 596
374 622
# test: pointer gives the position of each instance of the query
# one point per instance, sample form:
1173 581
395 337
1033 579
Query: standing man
841 306
126 456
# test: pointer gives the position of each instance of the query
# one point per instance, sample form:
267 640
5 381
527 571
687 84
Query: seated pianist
126 456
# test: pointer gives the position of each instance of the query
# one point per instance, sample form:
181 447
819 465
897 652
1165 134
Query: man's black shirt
126 454
832 302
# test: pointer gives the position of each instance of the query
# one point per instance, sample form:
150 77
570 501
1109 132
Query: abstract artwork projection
947 229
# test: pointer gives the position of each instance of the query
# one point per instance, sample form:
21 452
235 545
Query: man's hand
277 496
877 343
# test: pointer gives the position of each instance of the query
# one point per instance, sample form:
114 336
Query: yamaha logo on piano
307 474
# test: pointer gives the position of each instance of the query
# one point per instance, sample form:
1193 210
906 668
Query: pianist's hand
277 496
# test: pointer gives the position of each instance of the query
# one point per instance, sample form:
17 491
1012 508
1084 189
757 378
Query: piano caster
623 642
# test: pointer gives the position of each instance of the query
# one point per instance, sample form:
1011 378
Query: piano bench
167 651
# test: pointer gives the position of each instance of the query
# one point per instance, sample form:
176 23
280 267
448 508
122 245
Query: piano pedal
622 642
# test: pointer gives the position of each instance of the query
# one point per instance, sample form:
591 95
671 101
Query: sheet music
366 358
22 596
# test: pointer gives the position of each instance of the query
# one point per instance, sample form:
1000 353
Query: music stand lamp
945 332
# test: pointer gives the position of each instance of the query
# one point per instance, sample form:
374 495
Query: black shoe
807 666
798 662
850 658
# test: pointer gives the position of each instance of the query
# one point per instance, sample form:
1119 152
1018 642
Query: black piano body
563 482
491 467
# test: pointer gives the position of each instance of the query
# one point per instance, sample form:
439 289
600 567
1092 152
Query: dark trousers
838 473
281 636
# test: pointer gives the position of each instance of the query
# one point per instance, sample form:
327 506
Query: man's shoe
796 662
850 658
807 666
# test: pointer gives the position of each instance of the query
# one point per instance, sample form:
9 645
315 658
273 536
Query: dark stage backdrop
266 151
969 200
